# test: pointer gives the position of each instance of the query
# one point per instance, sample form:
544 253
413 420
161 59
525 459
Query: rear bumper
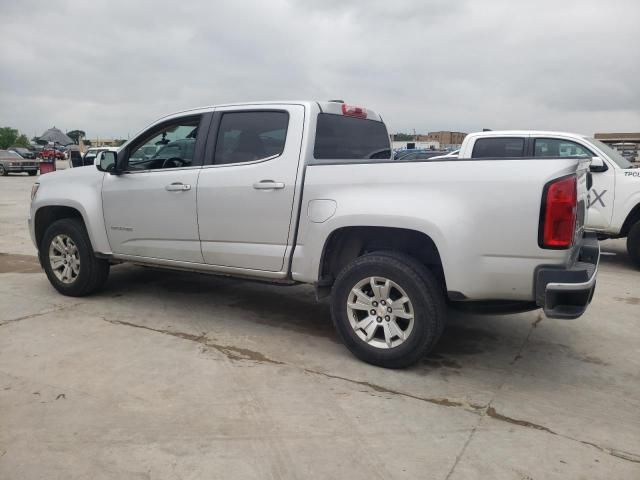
565 292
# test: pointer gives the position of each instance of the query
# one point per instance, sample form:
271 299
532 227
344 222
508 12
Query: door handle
268 185
177 187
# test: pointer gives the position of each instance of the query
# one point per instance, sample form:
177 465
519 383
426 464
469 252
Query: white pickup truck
308 192
614 203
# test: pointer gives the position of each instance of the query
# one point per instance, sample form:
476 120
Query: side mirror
107 161
598 165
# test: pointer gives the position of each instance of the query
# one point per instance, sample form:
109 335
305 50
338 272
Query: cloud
111 67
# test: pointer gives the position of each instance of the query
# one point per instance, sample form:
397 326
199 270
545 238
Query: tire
633 243
407 278
88 273
31 173
3 172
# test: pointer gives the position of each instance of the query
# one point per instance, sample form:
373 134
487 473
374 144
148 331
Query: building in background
413 144
442 140
106 142
628 144
447 140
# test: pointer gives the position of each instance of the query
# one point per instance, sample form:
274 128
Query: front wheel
32 173
3 171
633 243
68 259
388 309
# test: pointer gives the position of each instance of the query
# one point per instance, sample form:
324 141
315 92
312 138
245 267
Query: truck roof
325 106
530 133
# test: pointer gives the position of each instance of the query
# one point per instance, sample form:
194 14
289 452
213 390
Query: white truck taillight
558 213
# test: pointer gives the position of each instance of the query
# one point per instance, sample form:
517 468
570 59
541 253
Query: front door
150 208
247 186
600 208
601 197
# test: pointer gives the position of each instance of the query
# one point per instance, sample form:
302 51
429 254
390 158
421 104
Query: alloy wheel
380 312
64 258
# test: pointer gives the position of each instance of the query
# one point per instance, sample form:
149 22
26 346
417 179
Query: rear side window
555 147
499 147
341 137
249 136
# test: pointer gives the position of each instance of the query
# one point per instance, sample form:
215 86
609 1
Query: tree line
11 137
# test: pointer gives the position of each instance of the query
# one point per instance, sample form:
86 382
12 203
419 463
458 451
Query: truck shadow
614 253
478 340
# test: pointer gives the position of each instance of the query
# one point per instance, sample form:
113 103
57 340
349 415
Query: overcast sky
111 67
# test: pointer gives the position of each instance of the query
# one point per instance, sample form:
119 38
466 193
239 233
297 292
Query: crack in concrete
39 314
631 457
443 402
239 354
230 351
518 355
491 412
463 450
537 321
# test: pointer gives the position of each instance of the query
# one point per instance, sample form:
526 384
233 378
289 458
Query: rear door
247 185
499 147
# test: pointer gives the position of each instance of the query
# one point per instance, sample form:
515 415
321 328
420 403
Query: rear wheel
32 173
388 309
633 243
68 259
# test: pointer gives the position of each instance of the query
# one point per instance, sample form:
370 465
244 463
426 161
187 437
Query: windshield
612 153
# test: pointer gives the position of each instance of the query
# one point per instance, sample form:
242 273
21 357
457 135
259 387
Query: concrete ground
175 375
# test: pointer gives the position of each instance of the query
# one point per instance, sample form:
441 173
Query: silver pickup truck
308 192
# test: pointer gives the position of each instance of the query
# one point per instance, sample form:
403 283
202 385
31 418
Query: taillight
353 111
558 213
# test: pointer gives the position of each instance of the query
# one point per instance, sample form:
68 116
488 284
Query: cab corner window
498 147
340 137
170 146
249 136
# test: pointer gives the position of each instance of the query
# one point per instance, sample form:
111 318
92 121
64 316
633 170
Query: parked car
89 156
451 155
11 162
416 154
308 192
50 153
173 154
614 201
23 152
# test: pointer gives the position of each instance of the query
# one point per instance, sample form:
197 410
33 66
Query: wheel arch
632 217
46 215
344 244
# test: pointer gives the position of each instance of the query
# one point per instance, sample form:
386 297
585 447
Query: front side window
556 147
171 146
250 136
498 147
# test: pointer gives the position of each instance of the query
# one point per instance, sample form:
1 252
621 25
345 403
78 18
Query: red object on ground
46 167
50 153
